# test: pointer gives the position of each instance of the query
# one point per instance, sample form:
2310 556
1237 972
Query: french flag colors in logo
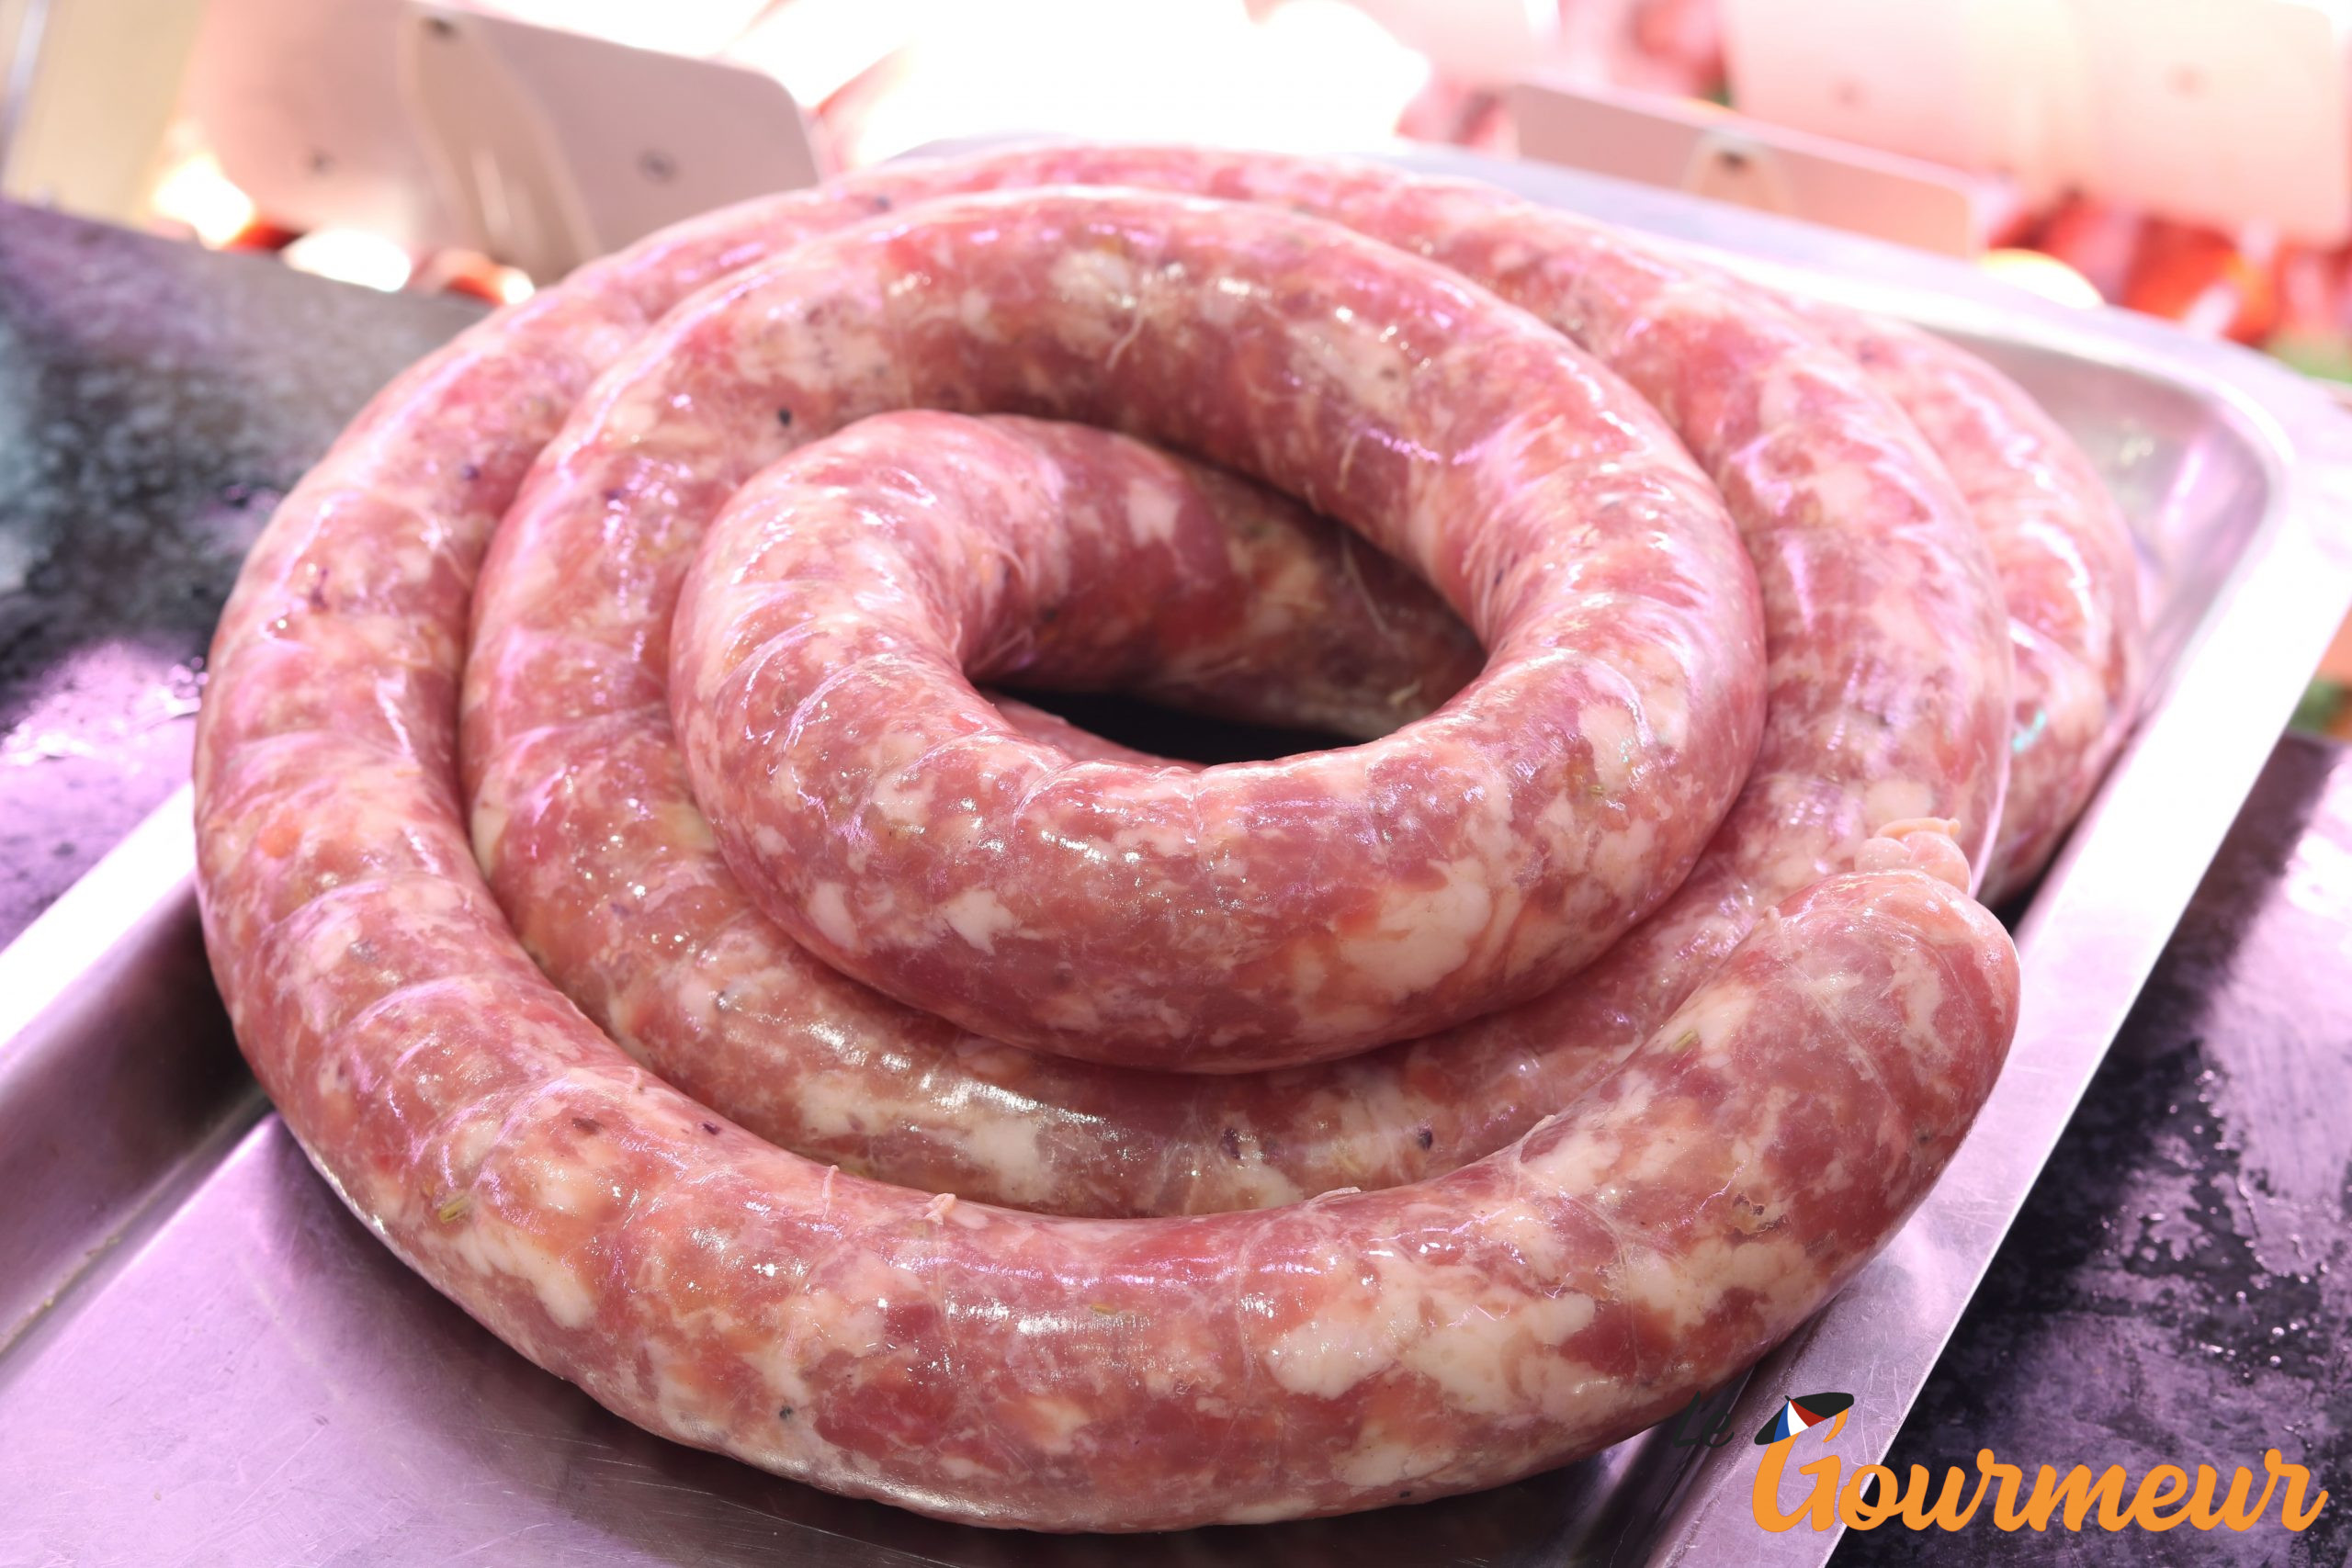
1804 1411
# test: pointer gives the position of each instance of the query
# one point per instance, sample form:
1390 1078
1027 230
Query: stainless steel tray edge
119 1081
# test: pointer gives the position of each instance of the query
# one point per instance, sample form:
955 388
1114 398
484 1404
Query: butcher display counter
204 1359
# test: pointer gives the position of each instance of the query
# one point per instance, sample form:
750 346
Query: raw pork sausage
968 1361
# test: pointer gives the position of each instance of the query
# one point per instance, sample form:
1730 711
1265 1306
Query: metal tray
205 1359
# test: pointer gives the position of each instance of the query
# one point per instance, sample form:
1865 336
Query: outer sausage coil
2068 571
1804 1054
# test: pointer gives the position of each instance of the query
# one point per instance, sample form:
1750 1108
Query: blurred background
2191 159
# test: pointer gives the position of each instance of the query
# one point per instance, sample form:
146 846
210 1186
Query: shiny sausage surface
1249 915
2068 571
1689 1209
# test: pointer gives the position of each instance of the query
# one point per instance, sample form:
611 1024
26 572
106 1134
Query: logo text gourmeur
2166 1496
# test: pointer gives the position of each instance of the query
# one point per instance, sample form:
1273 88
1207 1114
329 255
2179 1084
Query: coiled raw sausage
970 1361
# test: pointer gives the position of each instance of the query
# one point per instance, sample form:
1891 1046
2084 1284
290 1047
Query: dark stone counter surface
2178 1288
155 400
2176 1291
